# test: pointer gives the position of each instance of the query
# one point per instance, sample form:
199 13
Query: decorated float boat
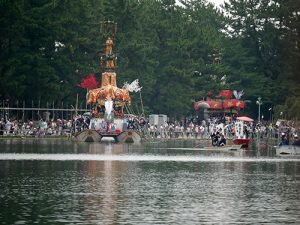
224 103
108 120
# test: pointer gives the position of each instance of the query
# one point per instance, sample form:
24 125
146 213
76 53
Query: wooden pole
53 110
143 112
39 109
76 106
32 110
87 91
17 111
23 115
62 112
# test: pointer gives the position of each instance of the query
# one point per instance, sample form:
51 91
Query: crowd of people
39 128
205 128
217 128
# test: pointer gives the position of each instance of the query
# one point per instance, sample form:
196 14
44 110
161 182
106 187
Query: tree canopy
179 50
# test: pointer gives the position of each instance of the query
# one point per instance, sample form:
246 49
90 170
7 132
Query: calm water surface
62 182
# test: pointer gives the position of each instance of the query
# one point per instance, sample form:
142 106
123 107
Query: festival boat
224 103
108 120
240 137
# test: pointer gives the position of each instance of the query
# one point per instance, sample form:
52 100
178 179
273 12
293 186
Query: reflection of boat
108 101
287 150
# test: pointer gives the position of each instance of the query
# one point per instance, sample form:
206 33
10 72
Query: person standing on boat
284 139
296 141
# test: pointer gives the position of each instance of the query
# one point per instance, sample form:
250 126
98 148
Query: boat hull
129 136
242 141
90 135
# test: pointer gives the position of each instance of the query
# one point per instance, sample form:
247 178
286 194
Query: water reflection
78 183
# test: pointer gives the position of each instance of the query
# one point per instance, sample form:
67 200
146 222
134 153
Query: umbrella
201 104
245 119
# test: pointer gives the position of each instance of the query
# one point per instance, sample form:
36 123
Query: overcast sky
216 2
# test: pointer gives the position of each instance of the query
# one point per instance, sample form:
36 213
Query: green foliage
47 46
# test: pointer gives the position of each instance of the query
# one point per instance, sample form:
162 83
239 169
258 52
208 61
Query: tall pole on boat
142 103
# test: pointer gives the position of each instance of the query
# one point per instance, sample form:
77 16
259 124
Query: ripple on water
148 157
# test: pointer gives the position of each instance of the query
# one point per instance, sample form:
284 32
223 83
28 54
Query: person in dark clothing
296 141
284 139
215 139
222 141
1 128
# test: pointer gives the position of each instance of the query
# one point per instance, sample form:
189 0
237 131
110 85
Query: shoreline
33 137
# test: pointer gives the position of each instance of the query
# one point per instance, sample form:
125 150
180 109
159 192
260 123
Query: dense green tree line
177 51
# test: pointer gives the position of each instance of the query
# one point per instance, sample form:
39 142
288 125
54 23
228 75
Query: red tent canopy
217 104
233 103
225 94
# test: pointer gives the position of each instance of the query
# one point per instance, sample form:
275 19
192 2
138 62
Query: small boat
240 131
287 150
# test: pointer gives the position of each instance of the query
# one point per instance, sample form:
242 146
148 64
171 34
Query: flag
133 87
89 82
238 94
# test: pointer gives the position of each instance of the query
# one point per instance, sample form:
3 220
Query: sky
216 2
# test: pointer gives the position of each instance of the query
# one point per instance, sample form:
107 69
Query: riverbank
8 137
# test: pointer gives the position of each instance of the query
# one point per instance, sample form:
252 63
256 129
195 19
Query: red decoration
218 104
118 131
89 82
225 94
240 104
215 104
229 103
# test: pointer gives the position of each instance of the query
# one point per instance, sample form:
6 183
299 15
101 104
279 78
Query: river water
64 182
